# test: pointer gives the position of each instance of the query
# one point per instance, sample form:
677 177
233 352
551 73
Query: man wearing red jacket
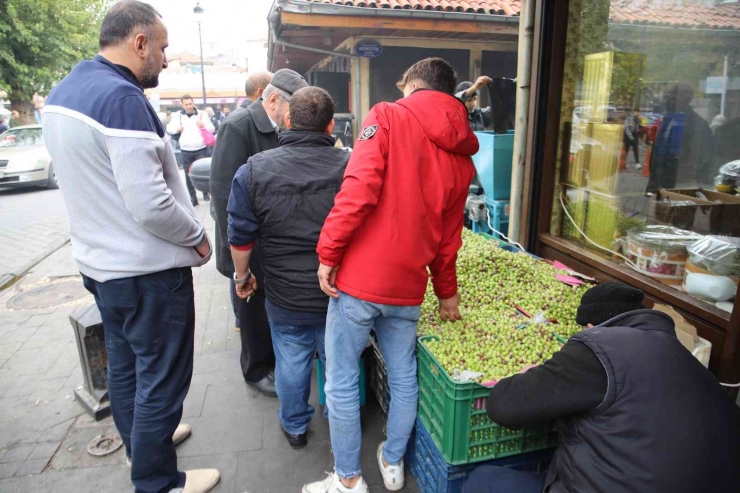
399 213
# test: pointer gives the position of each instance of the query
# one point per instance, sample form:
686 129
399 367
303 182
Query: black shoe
194 202
296 441
206 197
265 386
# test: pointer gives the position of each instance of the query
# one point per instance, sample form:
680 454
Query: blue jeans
149 326
493 479
295 346
348 325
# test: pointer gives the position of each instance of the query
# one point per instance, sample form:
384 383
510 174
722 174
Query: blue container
493 163
433 475
321 381
499 211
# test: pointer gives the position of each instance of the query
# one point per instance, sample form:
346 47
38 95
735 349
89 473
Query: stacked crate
591 173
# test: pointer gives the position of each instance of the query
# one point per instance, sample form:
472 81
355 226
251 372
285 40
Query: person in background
38 107
226 111
307 171
682 151
214 121
3 125
636 411
15 119
135 237
479 118
398 216
256 84
188 124
248 131
632 136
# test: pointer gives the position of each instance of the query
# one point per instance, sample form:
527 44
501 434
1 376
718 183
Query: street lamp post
198 11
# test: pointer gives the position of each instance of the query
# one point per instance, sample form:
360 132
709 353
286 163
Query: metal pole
523 76
202 70
724 87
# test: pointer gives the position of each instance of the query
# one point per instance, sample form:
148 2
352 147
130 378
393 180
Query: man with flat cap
249 131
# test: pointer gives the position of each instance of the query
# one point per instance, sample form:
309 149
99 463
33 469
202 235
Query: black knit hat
606 301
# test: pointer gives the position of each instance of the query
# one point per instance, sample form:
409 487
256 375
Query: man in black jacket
246 132
635 410
282 198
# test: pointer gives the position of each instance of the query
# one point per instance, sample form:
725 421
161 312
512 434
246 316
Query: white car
24 160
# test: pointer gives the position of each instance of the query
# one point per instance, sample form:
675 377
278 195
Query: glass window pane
649 152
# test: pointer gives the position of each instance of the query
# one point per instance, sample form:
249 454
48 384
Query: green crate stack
455 416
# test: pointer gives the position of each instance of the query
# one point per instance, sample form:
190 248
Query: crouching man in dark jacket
282 197
635 410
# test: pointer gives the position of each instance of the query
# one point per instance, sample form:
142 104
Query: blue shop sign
369 48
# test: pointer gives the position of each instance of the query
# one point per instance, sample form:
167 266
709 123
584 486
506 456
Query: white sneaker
332 484
393 476
638 166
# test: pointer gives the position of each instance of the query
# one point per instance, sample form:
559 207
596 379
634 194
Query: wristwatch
242 282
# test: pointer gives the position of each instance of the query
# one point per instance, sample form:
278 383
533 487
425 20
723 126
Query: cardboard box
729 223
702 216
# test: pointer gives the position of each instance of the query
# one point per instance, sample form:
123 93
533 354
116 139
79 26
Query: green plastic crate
455 416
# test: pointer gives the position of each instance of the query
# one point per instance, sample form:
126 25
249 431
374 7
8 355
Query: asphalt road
32 221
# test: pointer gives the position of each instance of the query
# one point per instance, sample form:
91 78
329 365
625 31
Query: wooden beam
403 24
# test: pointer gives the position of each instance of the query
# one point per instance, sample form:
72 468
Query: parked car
24 160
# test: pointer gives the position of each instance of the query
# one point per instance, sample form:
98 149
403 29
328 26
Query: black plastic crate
379 376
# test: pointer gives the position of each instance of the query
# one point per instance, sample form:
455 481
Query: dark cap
288 81
464 86
606 301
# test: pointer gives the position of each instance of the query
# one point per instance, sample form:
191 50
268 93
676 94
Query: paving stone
225 463
112 479
223 434
57 432
72 453
8 469
17 454
35 466
44 451
194 401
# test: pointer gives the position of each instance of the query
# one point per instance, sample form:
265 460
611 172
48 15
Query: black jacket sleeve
232 150
572 382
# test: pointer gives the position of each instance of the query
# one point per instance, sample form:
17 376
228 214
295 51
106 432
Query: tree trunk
25 109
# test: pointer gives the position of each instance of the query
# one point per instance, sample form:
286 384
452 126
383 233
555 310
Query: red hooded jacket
400 209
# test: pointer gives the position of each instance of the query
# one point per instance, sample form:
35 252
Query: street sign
369 48
714 85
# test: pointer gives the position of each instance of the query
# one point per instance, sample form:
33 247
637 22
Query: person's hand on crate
449 309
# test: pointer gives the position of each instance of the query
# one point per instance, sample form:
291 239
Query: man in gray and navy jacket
135 237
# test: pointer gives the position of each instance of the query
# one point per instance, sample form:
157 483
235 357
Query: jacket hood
444 120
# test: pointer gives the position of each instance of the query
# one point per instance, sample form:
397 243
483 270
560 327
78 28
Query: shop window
386 69
648 171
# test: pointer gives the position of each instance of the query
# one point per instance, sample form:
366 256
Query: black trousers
188 158
258 358
635 145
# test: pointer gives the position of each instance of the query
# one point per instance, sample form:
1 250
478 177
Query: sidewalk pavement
34 224
44 432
